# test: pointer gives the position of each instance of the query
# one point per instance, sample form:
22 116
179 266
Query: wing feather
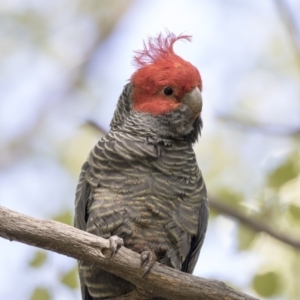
197 241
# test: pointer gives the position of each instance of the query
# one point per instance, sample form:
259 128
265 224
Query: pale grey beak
194 101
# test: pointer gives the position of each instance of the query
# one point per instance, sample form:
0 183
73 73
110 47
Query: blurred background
64 63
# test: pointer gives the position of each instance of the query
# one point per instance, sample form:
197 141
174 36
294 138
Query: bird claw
115 243
148 259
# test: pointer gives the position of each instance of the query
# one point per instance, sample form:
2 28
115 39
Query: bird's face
166 83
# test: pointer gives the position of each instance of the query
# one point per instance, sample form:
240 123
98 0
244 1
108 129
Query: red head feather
158 48
159 67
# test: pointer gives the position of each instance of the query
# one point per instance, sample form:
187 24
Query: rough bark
161 281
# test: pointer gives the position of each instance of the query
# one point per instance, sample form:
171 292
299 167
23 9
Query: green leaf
294 211
245 237
70 279
267 284
38 259
284 173
40 294
230 197
65 217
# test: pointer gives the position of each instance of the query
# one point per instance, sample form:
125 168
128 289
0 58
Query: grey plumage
141 182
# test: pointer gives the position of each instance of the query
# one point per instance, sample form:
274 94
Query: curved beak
194 101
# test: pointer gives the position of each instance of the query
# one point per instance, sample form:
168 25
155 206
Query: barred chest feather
146 191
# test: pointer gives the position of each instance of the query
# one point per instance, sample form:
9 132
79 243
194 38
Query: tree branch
253 223
161 281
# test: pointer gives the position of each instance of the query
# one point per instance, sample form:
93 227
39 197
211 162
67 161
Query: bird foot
148 258
115 243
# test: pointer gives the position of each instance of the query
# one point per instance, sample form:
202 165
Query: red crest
157 48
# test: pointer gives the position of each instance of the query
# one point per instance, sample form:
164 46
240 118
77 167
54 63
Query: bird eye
168 91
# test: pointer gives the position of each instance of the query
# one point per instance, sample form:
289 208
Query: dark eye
168 91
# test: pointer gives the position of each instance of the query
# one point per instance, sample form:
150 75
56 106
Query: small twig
253 223
161 281
96 126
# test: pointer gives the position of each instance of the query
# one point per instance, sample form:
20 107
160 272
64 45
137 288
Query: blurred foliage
75 149
246 237
294 211
66 36
283 212
285 172
39 259
70 279
267 284
230 197
65 217
40 294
